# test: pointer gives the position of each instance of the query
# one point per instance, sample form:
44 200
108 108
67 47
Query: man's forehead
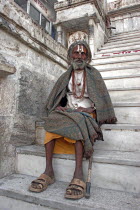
80 48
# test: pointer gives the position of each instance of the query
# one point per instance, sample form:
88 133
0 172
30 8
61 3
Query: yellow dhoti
63 145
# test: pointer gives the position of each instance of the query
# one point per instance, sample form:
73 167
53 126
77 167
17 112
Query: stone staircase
116 161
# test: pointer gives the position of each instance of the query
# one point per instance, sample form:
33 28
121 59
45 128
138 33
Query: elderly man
78 104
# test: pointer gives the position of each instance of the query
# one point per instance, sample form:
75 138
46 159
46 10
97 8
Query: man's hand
61 108
88 110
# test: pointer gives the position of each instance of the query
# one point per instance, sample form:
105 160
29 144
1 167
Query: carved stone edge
6 69
65 5
124 10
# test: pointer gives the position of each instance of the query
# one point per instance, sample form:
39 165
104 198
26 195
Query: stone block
119 140
130 115
75 12
125 82
116 64
121 72
126 95
117 59
33 93
7 150
23 132
8 87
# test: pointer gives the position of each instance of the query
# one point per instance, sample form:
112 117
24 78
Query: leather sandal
75 185
43 181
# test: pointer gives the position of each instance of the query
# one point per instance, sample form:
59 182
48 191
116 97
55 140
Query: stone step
15 196
123 37
111 169
127 113
118 64
125 40
126 81
121 72
118 51
120 137
116 59
125 67
125 94
116 45
125 34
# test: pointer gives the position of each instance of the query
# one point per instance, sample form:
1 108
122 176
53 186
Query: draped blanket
80 125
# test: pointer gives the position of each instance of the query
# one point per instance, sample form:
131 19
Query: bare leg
49 147
78 173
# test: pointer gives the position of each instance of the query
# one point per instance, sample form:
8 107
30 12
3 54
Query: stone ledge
112 62
100 156
124 10
125 34
125 127
66 5
126 104
124 89
123 39
16 187
121 77
6 69
120 68
119 45
129 44
125 50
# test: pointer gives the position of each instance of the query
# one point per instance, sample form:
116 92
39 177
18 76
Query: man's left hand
88 110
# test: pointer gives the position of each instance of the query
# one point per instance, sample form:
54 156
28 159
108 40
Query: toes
69 192
74 192
37 186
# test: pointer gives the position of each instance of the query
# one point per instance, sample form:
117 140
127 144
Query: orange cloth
63 145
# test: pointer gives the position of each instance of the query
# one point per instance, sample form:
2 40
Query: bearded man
78 104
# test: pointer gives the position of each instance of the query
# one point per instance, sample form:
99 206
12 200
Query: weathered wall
124 15
125 23
38 61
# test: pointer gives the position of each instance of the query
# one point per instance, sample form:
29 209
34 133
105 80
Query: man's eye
76 53
83 53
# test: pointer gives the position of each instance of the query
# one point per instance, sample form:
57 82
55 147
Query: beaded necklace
74 86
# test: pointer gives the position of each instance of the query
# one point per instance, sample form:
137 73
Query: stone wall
124 15
38 61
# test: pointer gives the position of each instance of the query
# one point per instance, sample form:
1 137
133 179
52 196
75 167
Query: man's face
79 57
79 52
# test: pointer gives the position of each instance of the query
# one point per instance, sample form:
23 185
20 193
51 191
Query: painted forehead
80 48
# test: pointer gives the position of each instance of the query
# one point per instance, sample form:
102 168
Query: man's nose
79 55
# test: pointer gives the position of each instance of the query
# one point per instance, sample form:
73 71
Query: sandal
43 181
77 185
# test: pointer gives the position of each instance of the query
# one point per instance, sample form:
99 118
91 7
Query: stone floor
16 187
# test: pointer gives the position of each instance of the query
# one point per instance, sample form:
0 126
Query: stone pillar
59 34
91 36
105 5
28 6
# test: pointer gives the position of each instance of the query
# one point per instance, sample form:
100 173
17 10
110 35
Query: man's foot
76 189
41 183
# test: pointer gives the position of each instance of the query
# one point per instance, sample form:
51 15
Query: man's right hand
61 108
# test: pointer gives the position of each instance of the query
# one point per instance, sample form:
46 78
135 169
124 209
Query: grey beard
77 65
